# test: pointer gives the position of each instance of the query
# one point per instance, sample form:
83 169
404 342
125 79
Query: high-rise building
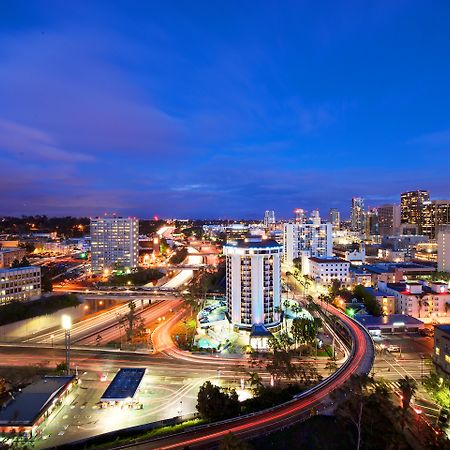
300 215
307 238
358 215
253 287
434 214
372 226
315 217
388 219
335 218
21 284
114 243
412 207
443 241
269 219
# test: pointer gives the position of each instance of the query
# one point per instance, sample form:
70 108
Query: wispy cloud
27 142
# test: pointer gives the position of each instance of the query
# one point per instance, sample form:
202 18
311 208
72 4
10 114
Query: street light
66 322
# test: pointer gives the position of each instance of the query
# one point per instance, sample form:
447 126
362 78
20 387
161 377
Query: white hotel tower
253 282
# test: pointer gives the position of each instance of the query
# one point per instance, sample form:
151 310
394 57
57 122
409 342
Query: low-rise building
356 254
359 275
21 284
385 300
326 270
8 255
425 302
27 410
441 357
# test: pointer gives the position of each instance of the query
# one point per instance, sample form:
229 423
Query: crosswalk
429 410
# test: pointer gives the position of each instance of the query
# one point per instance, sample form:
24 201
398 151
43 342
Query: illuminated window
437 351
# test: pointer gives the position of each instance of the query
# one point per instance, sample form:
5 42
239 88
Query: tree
335 287
61 368
407 386
255 382
370 302
23 263
213 403
46 280
331 366
231 442
133 324
367 406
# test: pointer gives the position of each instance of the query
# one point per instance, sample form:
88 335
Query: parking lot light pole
66 322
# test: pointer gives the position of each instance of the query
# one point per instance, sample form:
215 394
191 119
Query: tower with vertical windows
253 288
114 243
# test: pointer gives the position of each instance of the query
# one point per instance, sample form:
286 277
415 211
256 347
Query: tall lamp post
66 322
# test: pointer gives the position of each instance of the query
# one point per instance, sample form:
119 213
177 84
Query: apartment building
114 243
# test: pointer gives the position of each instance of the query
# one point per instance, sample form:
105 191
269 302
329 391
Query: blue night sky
221 109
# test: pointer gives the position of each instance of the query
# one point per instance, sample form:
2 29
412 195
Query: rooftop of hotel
253 243
329 260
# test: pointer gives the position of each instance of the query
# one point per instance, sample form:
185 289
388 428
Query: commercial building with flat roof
21 284
390 323
124 385
27 409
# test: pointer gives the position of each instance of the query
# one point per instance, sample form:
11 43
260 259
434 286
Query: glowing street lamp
66 323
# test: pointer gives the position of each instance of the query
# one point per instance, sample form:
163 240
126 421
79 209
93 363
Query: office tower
443 241
269 219
372 225
300 215
307 238
335 218
114 243
253 286
358 215
388 219
434 214
315 217
20 285
412 207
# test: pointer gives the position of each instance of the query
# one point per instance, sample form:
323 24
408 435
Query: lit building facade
434 214
8 255
358 215
335 218
443 248
114 243
441 357
327 270
412 207
21 284
314 239
388 219
253 287
269 219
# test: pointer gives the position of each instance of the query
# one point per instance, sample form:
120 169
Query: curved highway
360 362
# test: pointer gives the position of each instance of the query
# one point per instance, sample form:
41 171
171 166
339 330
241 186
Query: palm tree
408 387
255 381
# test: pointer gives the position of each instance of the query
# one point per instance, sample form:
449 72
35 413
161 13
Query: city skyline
176 110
